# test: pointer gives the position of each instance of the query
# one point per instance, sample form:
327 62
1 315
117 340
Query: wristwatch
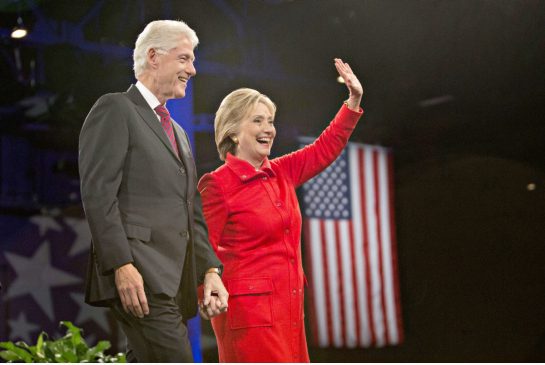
216 270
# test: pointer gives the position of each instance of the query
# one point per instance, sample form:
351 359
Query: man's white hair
162 35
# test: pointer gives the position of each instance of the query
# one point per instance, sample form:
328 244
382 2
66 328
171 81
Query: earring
235 139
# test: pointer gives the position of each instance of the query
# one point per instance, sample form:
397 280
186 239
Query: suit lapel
148 115
185 155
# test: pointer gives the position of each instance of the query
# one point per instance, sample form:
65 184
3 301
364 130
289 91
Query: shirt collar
245 171
150 98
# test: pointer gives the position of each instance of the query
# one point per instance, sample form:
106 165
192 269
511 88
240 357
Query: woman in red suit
254 223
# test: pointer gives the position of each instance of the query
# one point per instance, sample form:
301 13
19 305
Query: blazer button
188 203
185 234
181 171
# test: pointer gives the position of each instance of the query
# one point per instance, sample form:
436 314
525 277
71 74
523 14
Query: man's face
174 69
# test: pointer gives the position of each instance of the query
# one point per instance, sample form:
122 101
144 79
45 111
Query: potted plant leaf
69 348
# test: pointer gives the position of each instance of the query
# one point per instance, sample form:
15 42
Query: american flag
350 247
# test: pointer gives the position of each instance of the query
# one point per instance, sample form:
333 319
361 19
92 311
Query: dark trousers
161 336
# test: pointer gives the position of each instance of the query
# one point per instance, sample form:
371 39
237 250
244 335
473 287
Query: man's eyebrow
188 55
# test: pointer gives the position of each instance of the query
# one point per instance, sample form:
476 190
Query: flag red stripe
326 284
376 173
354 282
341 282
395 273
368 293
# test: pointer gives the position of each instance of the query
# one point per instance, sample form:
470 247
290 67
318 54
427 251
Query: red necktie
167 126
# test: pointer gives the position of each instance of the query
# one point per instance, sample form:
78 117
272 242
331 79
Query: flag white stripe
334 292
318 281
348 286
359 262
386 240
372 235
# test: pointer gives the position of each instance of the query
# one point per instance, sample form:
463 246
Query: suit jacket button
181 171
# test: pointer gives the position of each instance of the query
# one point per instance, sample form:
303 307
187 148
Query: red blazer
254 225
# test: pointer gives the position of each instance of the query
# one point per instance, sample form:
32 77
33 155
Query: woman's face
256 135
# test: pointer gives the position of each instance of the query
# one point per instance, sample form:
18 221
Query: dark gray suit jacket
140 202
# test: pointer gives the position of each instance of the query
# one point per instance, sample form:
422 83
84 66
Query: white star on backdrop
36 277
45 223
21 328
87 312
83 236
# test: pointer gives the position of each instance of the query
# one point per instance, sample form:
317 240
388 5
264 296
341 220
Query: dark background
455 88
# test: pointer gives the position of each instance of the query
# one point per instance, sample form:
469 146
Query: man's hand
130 288
215 296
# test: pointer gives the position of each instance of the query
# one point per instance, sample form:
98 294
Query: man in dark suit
138 182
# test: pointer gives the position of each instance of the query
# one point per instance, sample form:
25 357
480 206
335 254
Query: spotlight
20 30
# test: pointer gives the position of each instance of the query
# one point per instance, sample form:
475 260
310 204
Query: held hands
215 297
130 288
355 89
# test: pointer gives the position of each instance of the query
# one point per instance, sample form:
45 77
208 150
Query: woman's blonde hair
233 109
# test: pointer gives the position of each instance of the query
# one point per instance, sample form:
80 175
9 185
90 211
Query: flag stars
326 196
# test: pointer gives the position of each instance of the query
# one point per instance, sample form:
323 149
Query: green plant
70 348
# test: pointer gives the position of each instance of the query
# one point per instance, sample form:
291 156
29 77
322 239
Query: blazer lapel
148 115
186 156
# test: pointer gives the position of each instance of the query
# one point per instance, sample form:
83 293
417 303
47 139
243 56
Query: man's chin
179 94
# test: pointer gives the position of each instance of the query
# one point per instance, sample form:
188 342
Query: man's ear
152 56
